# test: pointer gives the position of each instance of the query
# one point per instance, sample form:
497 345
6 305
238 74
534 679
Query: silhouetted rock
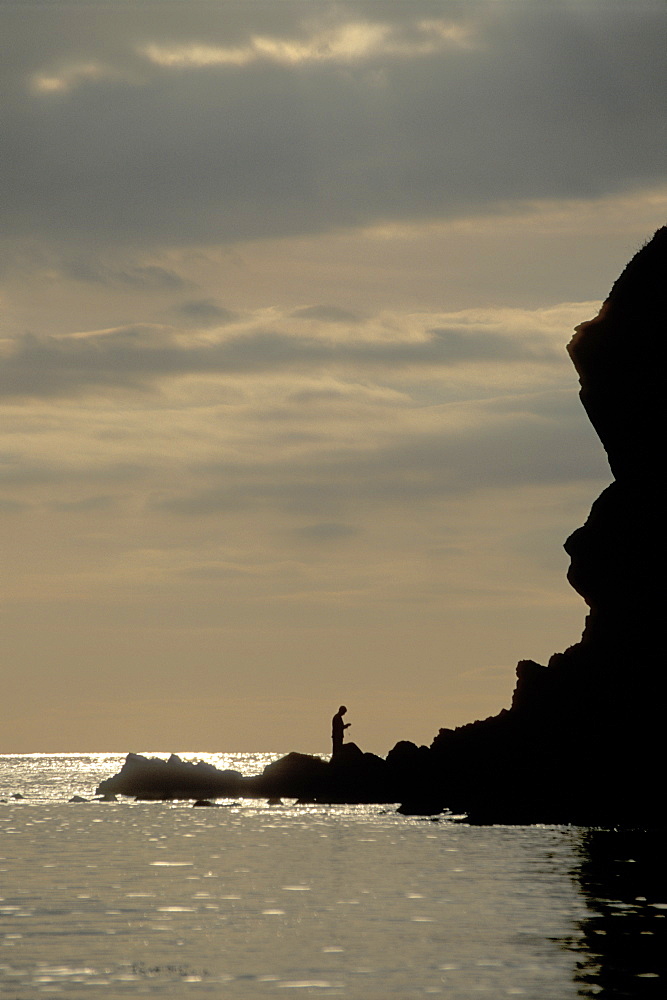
584 736
151 778
353 776
421 806
296 776
413 778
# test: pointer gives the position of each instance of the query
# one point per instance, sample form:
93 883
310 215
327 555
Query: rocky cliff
584 740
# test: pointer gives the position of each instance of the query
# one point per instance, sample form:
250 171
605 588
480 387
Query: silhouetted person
338 728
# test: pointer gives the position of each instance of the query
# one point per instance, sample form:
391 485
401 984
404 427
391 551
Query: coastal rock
414 780
351 777
297 776
584 735
356 777
152 778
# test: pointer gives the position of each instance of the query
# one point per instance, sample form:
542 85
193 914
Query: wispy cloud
69 77
448 452
204 312
149 276
351 42
135 356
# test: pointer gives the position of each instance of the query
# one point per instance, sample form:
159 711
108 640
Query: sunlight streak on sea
54 776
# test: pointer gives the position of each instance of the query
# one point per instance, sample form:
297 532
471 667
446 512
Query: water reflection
623 942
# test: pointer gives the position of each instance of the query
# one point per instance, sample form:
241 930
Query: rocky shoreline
351 777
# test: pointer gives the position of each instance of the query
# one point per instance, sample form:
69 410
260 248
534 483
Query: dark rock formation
584 739
155 779
297 776
351 777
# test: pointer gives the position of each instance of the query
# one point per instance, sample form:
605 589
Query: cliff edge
584 740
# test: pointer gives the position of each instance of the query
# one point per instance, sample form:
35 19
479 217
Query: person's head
342 710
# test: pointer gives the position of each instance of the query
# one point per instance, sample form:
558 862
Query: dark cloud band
547 101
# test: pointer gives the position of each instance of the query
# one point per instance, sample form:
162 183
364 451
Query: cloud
12 506
134 357
65 80
349 42
147 277
326 314
327 531
205 312
84 505
26 471
449 451
326 419
460 346
62 366
292 135
215 572
330 393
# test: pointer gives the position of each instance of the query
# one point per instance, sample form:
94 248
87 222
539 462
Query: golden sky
288 419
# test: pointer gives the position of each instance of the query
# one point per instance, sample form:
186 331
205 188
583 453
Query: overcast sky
288 418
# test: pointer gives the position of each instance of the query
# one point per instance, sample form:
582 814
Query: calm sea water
122 900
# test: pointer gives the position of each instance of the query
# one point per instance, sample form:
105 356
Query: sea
247 899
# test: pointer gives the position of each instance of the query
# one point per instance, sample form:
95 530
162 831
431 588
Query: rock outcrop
351 777
584 740
151 778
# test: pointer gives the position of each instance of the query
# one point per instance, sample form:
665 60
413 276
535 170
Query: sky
288 419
